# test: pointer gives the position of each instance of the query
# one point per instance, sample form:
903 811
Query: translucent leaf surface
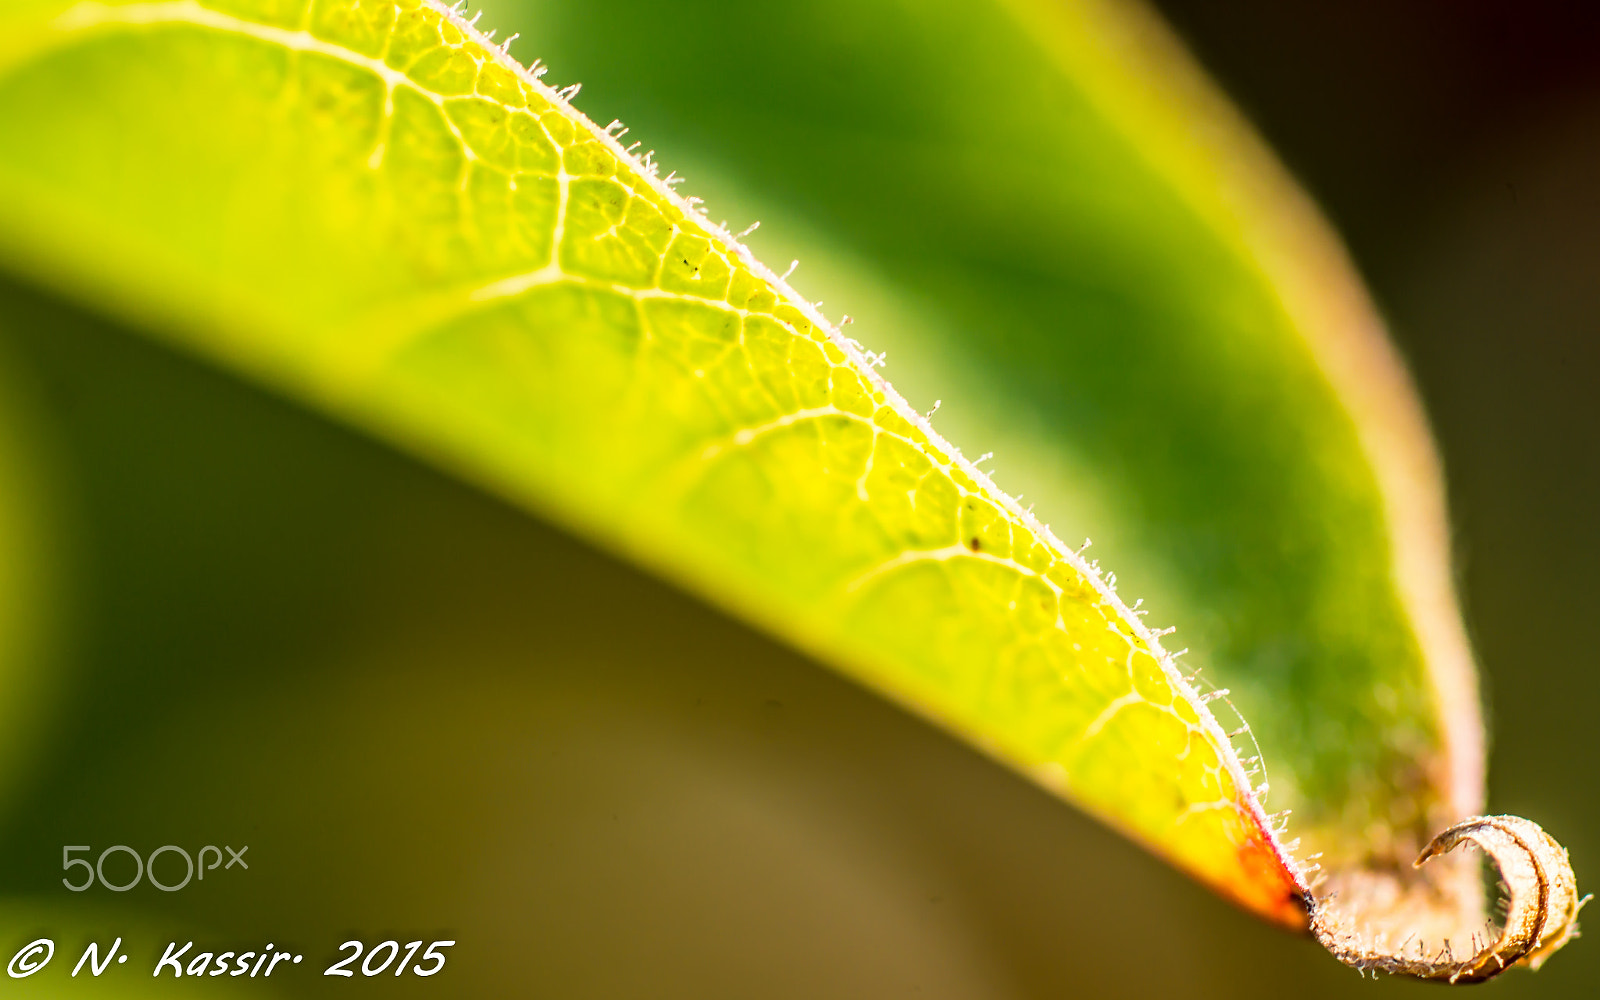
368 206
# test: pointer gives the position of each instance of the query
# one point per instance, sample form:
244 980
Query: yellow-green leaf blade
1119 291
369 207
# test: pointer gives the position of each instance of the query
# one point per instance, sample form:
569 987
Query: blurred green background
432 716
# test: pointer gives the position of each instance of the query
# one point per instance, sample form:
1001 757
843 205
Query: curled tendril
1358 923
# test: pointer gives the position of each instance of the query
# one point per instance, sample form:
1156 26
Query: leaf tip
1440 907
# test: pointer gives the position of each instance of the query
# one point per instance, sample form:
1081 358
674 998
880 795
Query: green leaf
1070 240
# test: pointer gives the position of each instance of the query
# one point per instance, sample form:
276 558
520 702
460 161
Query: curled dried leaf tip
1361 923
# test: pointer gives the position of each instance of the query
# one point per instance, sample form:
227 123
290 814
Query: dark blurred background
433 716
